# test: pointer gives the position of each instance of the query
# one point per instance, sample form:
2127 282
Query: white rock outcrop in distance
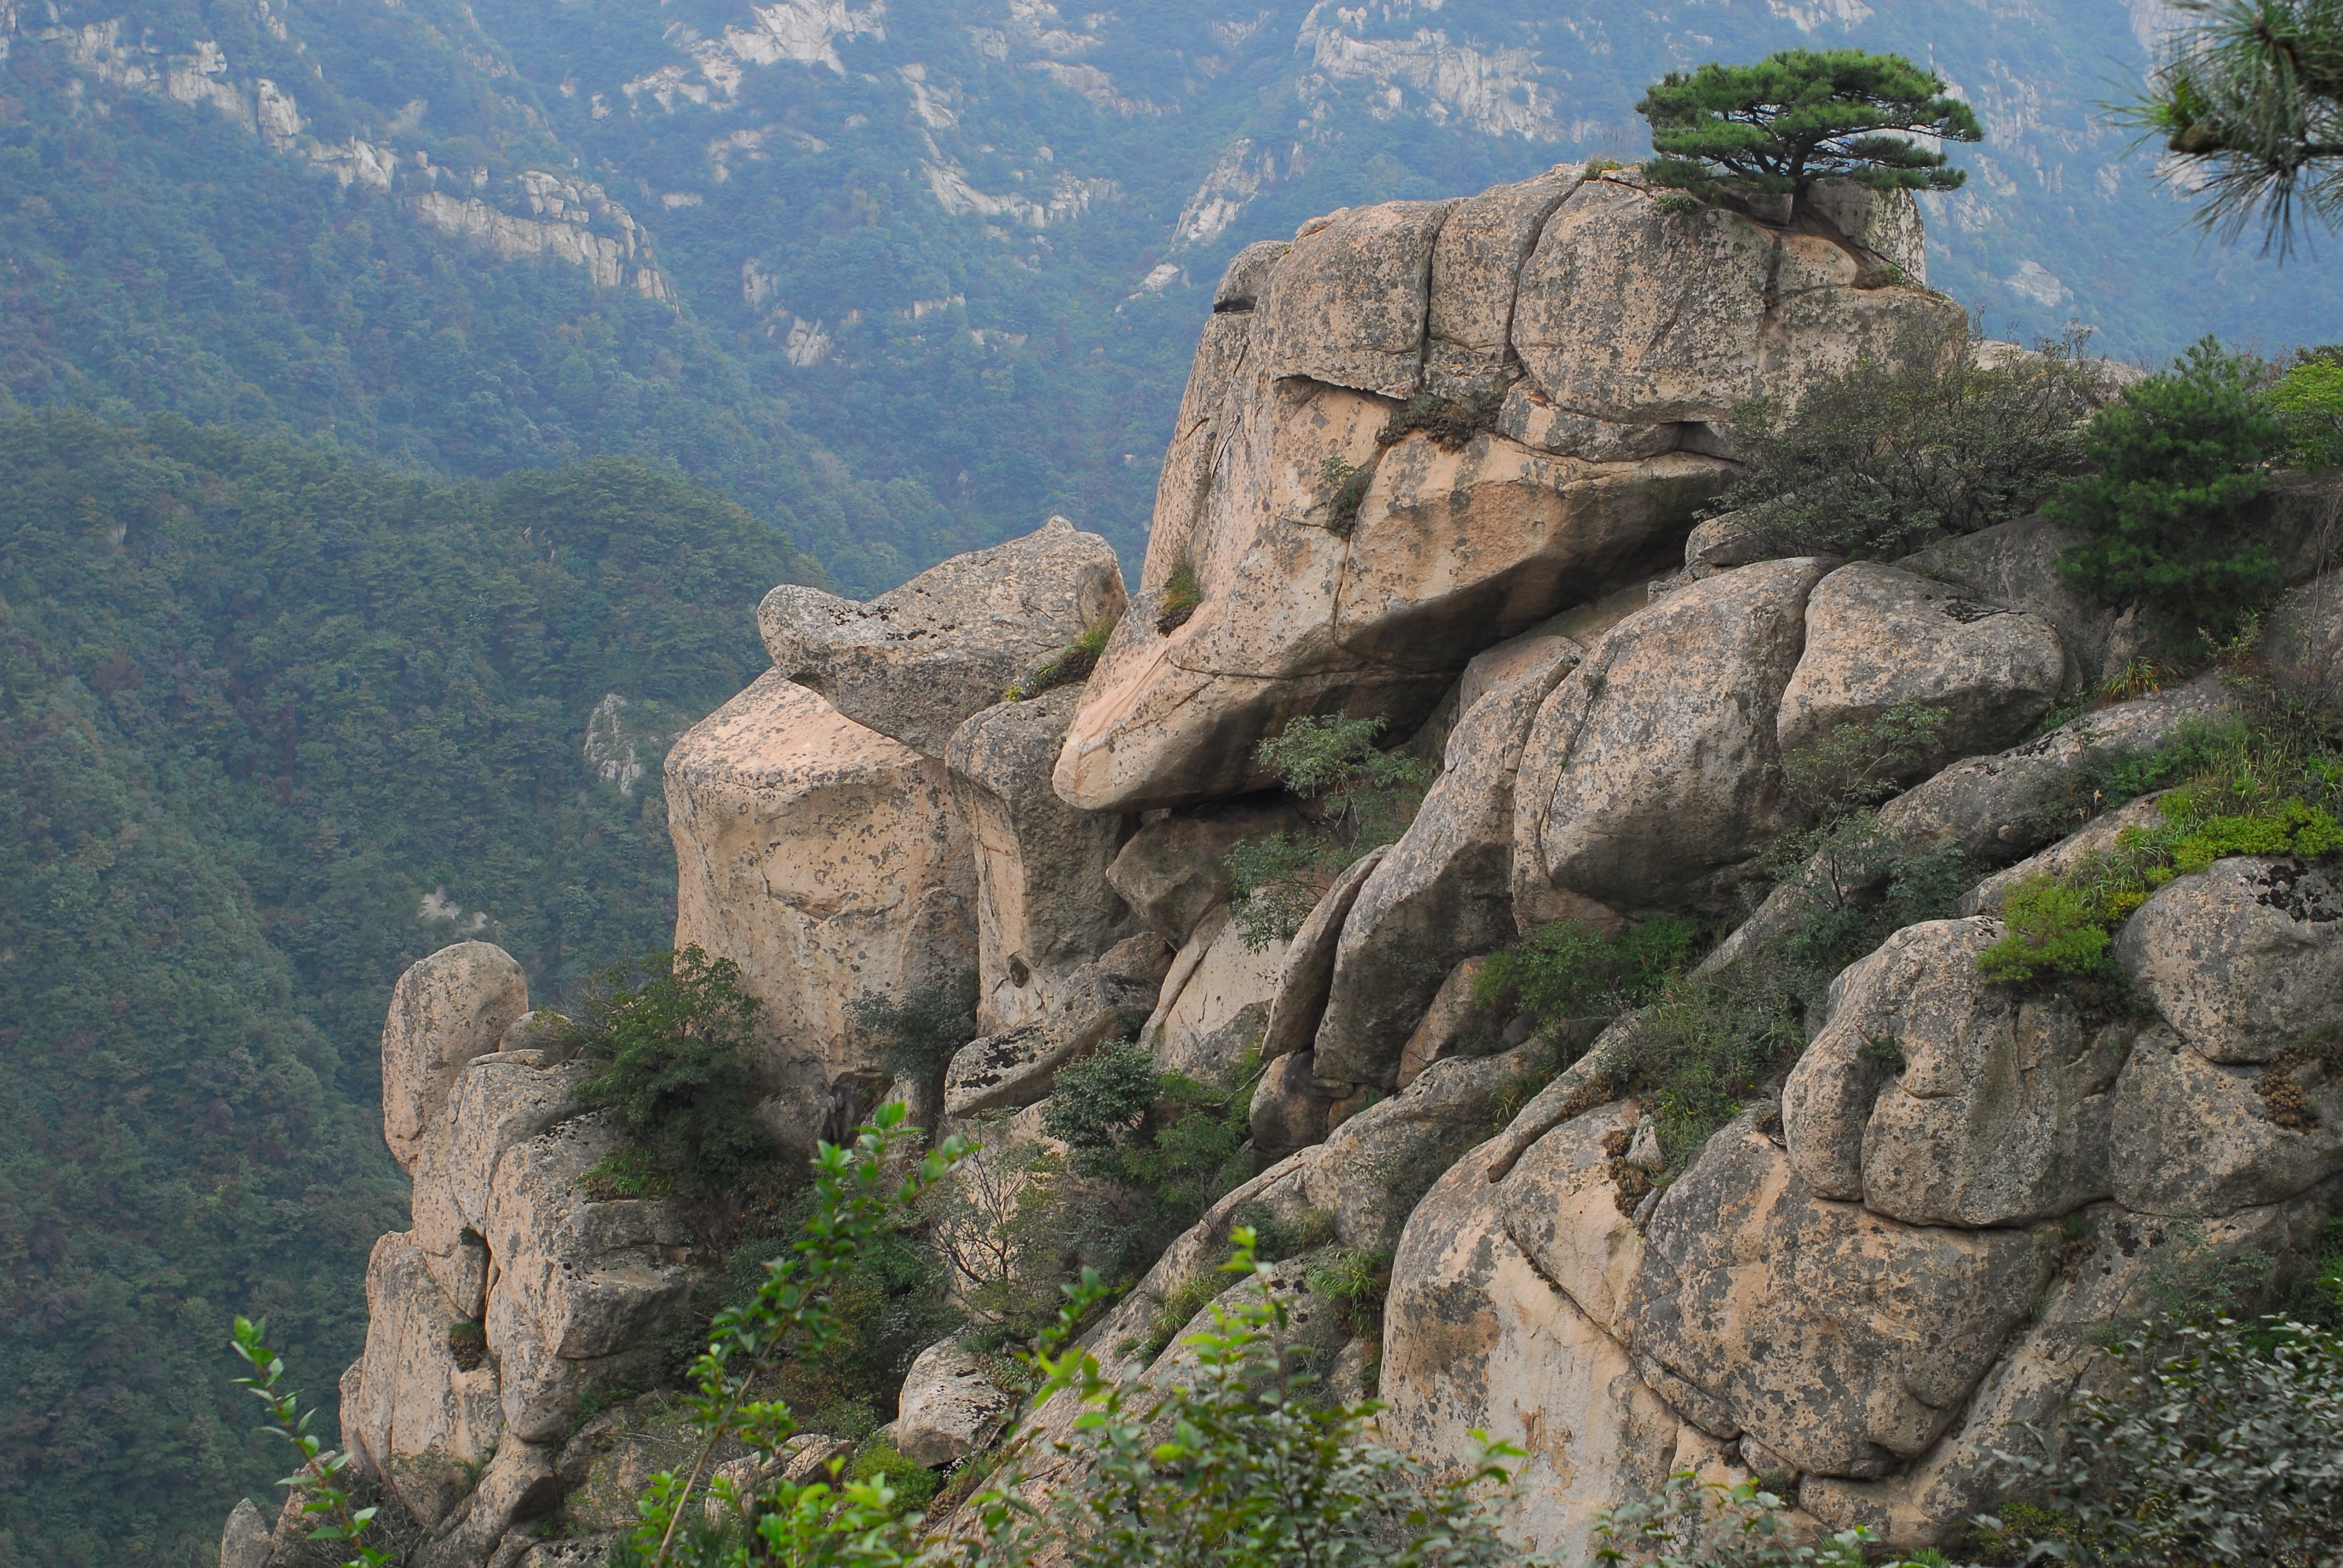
829 863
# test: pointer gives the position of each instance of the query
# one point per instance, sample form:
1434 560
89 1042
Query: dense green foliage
671 1059
918 1034
1355 795
257 703
2176 463
1879 458
2250 93
1802 116
1565 971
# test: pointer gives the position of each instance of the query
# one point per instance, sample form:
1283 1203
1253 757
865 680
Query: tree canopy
2250 96
1802 116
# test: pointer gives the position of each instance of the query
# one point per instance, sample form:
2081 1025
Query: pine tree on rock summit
1804 116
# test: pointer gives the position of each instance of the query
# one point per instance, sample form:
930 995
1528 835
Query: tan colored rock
1174 871
1561 1204
2244 959
1885 223
1878 638
1442 894
1246 275
1044 905
1309 968
1452 1025
1507 662
579 1284
1215 1003
1935 1097
2096 837
1476 265
1630 314
418 1420
1223 350
1646 782
445 1011
950 1409
498 1101
2016 564
1476 1338
1496 535
1842 1339
518 1486
1294 1108
2195 1140
1003 1072
1347 305
828 863
915 663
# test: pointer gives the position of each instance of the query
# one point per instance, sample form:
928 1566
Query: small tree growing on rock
1802 116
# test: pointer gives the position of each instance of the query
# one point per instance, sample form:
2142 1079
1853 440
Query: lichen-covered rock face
1879 638
1294 1108
445 1011
501 1100
2244 959
828 863
420 1418
1646 782
2193 1139
2016 564
1841 1340
949 1409
1444 893
1936 1098
1308 972
1306 561
1214 1002
916 663
1044 905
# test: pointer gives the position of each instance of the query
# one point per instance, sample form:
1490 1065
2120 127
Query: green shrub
2168 510
1099 1103
918 1036
1567 970
1276 1239
673 1051
1453 423
2309 400
2222 1443
1354 1281
1706 1047
1862 764
913 1483
1355 797
2051 927
1877 459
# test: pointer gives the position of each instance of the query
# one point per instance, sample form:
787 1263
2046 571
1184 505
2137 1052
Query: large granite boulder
1346 305
827 861
947 1408
1308 971
421 1413
1935 1097
914 663
1174 871
2194 1139
501 1100
1647 779
1044 904
1476 265
1442 894
1213 1006
1878 638
443 1011
2016 564
2244 959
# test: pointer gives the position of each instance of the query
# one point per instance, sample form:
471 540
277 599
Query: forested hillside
273 725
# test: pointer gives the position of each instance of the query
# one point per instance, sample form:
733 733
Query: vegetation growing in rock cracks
918 1033
1804 116
1355 795
1876 460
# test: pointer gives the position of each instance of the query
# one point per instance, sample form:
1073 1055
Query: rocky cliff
1439 463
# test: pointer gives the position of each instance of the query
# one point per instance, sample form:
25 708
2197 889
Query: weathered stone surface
1936 1098
1886 223
1998 808
2193 1139
1309 968
498 1101
1452 1025
1241 281
1346 306
1044 904
828 863
579 1283
1719 543
1476 265
1497 535
518 1486
1003 1072
1294 1108
244 1543
949 1408
1507 662
2017 563
1877 638
445 1011
417 1419
1561 1204
1174 871
2096 837
1638 317
1444 893
913 664
2302 638
1380 1160
1841 1340
1645 781
2244 959
1476 1337
1215 1003
1186 479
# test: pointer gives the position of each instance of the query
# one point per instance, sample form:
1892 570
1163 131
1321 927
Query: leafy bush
1354 1281
1877 459
2309 400
2226 1447
1692 1523
997 1222
2051 927
1160 1148
673 1051
2177 464
879 1460
1706 1047
1567 970
1863 764
919 1035
1355 797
